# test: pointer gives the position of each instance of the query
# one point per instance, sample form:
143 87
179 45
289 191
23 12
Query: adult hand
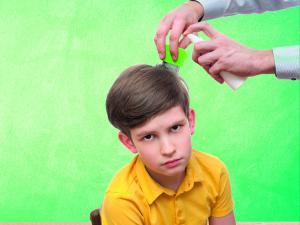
177 21
223 54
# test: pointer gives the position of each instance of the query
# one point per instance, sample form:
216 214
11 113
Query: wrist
197 9
265 63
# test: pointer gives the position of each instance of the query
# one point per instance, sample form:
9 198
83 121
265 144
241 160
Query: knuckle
159 34
180 19
222 63
173 37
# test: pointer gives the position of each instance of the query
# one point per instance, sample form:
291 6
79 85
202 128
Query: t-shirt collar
153 190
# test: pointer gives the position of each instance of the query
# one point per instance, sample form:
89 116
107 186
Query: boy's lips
172 163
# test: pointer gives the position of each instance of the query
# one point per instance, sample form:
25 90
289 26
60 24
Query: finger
204 27
215 71
184 42
177 30
160 36
219 79
201 48
208 59
205 46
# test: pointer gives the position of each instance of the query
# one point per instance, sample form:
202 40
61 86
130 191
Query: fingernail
161 56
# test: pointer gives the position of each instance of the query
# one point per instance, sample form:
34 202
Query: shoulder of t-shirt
209 163
123 180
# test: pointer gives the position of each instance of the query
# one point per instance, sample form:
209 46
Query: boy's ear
126 141
192 120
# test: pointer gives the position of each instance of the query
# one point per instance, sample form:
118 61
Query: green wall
58 151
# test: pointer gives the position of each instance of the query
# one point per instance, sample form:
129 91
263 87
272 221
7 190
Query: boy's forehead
162 120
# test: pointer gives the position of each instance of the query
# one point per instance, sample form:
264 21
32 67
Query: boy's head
150 105
142 92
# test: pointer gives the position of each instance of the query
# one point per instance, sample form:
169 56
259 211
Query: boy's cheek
185 143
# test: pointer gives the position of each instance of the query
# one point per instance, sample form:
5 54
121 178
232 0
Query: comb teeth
171 67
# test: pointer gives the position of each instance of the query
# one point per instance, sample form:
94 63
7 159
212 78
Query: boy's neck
172 183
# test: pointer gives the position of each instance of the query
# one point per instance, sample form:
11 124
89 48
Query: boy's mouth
172 163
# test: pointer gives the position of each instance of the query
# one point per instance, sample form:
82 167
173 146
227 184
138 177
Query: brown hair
142 92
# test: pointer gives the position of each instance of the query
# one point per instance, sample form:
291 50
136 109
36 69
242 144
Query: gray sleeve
218 8
287 62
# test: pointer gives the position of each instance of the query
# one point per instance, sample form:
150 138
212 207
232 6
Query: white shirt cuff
287 62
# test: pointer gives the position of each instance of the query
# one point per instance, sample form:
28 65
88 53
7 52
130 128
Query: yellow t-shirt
134 198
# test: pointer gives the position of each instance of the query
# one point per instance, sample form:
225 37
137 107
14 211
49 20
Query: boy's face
163 142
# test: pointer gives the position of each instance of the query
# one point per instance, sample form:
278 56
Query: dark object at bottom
95 217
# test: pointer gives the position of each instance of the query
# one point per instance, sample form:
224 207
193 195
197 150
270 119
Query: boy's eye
176 128
148 137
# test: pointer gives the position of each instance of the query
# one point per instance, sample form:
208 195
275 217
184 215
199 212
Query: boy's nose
167 147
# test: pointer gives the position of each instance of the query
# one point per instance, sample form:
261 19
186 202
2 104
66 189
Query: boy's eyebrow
178 122
147 132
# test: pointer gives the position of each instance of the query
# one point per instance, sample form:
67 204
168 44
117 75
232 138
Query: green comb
170 63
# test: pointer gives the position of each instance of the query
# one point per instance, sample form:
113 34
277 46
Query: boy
167 182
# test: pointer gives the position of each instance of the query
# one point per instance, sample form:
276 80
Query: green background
58 152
